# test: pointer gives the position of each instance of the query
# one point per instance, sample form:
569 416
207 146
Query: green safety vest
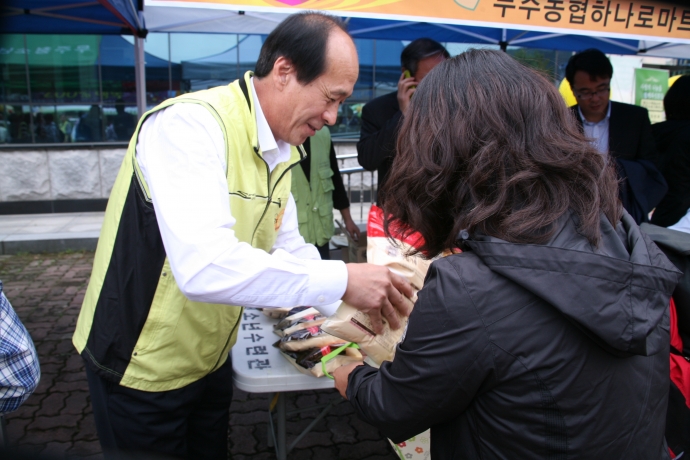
314 198
135 327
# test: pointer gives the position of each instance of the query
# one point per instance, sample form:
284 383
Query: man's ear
283 71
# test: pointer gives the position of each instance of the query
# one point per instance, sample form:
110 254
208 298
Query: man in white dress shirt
200 223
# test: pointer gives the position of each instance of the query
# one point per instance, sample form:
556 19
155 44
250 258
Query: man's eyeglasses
586 95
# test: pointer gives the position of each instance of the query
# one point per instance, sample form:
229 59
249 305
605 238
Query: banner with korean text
636 19
650 88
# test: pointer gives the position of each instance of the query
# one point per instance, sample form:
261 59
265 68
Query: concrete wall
28 175
86 173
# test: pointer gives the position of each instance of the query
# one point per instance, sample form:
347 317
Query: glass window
118 70
388 68
67 119
162 76
46 129
82 88
379 71
13 87
63 68
249 47
209 60
18 124
120 121
89 125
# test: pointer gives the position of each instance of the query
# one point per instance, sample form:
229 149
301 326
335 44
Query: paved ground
38 233
46 290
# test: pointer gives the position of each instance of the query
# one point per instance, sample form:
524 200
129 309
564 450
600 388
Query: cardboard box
356 250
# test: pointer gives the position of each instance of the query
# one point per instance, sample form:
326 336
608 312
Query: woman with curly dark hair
547 337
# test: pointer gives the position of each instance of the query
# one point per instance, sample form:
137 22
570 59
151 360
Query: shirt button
321 299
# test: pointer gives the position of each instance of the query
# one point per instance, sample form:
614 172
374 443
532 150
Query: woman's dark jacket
521 351
673 143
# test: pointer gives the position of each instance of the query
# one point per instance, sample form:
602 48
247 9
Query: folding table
258 368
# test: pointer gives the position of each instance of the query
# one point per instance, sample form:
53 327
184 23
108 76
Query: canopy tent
366 21
105 17
660 29
221 68
407 30
210 20
118 64
65 69
224 67
664 49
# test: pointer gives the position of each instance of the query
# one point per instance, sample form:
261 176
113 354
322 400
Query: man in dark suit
622 131
381 116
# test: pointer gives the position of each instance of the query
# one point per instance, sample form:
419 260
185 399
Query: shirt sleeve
19 368
181 152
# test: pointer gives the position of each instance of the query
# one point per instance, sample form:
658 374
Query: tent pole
504 41
140 75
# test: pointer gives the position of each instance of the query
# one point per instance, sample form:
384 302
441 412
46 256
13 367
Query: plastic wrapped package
350 324
303 339
299 317
354 326
316 361
310 349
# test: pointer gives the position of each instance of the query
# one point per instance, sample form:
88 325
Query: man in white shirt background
200 220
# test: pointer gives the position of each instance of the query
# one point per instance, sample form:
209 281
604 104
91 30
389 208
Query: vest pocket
326 175
182 340
302 216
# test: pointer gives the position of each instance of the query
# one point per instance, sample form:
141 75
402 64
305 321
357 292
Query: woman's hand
341 375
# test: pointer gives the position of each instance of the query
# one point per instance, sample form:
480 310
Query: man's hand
377 291
406 88
350 225
341 376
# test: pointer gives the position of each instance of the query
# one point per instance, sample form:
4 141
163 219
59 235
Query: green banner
50 50
650 88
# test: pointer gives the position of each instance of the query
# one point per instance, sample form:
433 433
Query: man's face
308 107
592 94
425 65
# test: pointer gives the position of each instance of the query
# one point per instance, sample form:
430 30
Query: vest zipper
271 190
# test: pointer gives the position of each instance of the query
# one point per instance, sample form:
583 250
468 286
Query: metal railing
359 188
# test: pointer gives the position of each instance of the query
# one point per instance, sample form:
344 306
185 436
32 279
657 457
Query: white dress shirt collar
274 151
597 132
584 120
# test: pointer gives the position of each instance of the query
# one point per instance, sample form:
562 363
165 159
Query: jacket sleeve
377 140
677 174
340 199
443 362
646 149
